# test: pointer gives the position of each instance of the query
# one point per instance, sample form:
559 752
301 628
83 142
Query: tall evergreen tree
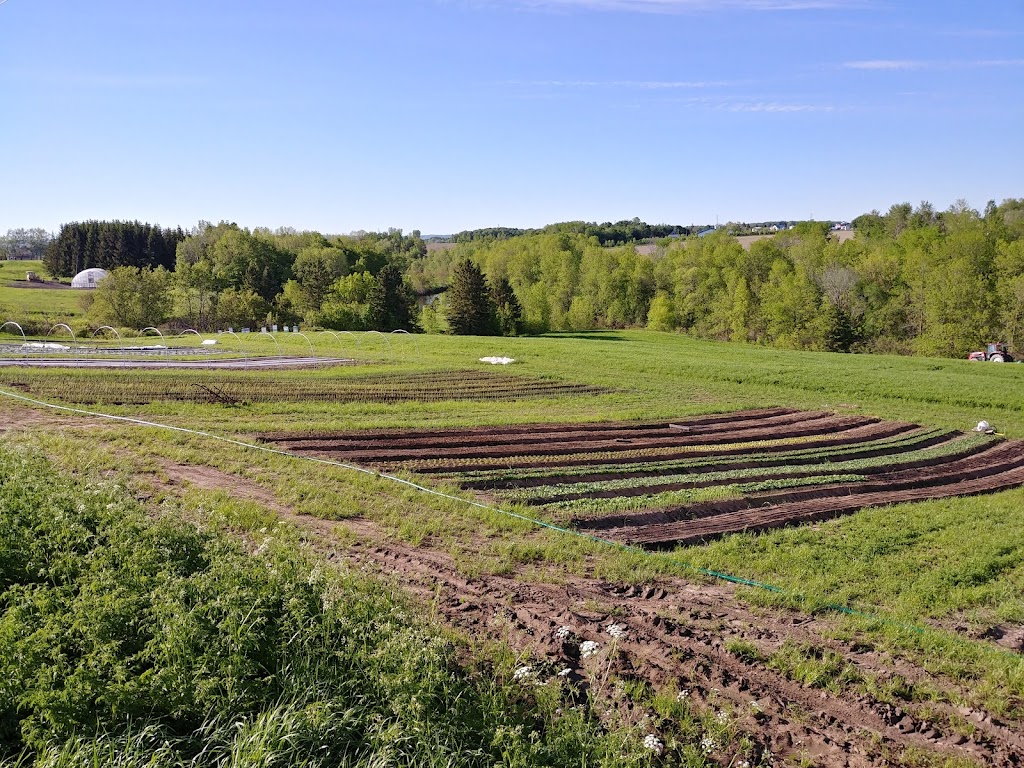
508 311
390 302
469 308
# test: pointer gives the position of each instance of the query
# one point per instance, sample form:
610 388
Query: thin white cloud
775 107
677 6
643 85
911 64
885 64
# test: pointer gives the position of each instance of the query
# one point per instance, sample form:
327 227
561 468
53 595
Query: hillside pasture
887 636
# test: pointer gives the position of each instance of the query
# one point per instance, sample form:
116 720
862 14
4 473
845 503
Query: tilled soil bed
777 467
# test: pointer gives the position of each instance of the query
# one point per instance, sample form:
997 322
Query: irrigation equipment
415 341
145 330
240 346
274 339
73 338
124 354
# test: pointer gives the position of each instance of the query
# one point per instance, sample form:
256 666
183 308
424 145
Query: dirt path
677 633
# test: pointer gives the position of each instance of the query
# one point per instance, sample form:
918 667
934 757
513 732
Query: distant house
88 278
706 232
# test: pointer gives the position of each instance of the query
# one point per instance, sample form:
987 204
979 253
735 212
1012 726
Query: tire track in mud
678 633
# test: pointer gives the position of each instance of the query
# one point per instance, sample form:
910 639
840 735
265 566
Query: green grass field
933 576
15 270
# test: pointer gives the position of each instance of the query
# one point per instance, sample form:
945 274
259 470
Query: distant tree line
913 281
224 276
619 233
24 244
108 244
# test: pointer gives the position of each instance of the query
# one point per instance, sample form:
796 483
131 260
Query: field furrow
657 484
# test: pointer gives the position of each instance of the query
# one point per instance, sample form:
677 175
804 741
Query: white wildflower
588 648
522 674
617 630
564 633
722 717
708 745
654 744
755 707
682 695
565 672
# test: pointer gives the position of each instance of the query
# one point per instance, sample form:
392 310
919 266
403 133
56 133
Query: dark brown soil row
823 470
1004 477
845 436
853 453
816 426
527 429
670 434
991 461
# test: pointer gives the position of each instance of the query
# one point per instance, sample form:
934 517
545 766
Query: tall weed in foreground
128 639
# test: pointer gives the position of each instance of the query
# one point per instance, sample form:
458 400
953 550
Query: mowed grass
21 304
952 565
15 270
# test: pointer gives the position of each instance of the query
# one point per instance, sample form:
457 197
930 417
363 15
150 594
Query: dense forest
912 281
108 244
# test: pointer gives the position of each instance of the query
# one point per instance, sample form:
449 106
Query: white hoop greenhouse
88 278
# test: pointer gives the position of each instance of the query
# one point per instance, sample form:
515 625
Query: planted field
926 671
658 484
135 388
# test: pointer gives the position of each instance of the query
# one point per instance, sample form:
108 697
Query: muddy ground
678 634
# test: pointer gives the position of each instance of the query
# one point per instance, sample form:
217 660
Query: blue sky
442 115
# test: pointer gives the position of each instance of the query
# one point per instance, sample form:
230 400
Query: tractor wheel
996 358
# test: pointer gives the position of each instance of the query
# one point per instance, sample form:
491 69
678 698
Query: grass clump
135 639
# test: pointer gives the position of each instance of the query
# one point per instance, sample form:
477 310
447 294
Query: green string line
441 494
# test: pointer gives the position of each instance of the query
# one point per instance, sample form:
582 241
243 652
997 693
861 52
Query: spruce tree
469 308
508 311
390 302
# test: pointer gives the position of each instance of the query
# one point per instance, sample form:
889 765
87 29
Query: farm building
88 278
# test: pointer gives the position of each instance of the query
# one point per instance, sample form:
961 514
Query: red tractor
993 353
